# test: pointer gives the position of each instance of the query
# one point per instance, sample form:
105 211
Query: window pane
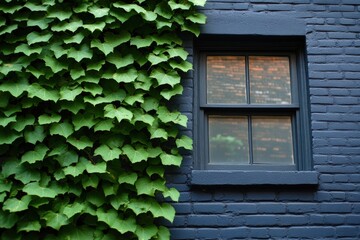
226 79
228 140
269 80
272 140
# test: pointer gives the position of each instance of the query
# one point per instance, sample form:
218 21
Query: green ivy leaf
178 52
163 233
120 200
152 170
169 159
92 27
120 61
174 117
7 136
104 125
4 121
182 5
55 220
72 27
90 181
7 220
80 143
183 66
35 189
122 76
39 22
77 72
37 134
83 120
169 93
171 78
118 113
47 119
96 168
61 14
15 88
145 118
27 175
150 103
28 226
55 65
163 9
146 232
77 38
113 220
64 129
108 153
38 154
35 37
164 210
145 185
66 158
140 42
16 205
22 122
197 18
98 12
129 178
36 90
184 142
83 53
27 50
156 59
76 170
111 41
200 3
172 193
71 210
135 154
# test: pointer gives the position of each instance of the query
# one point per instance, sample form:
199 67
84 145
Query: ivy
85 129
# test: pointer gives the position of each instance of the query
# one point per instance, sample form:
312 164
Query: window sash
203 78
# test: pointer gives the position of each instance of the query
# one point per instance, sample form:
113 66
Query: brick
301 208
347 231
293 220
335 208
234 232
311 232
241 208
334 219
182 208
210 208
261 220
271 208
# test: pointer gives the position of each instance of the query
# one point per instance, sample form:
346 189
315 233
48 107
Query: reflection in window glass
226 82
272 140
269 80
228 140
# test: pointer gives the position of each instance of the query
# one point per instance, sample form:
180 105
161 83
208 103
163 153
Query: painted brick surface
332 209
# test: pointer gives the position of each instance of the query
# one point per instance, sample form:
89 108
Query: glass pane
228 140
272 140
269 80
226 79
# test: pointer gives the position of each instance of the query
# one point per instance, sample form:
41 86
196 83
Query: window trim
301 126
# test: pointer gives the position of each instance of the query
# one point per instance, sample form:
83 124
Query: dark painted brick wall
332 209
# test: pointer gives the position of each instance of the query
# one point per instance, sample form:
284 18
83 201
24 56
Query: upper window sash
245 102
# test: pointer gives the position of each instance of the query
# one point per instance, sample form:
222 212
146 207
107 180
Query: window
252 106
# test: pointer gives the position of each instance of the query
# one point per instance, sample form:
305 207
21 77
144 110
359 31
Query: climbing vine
85 128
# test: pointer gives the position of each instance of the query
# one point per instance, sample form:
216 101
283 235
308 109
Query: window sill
246 178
